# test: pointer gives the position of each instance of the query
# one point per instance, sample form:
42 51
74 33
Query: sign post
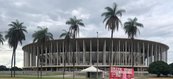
121 73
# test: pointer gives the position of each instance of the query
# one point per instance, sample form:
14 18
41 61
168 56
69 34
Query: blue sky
156 16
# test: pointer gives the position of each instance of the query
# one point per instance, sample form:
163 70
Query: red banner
121 73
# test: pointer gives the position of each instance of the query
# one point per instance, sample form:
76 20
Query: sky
155 15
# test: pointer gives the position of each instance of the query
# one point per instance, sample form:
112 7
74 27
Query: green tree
131 28
3 68
41 37
171 68
112 22
67 38
74 30
16 69
15 34
1 39
158 68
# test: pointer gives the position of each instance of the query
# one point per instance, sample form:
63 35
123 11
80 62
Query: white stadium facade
89 51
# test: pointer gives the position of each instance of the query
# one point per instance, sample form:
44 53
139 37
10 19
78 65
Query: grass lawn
58 75
8 77
27 77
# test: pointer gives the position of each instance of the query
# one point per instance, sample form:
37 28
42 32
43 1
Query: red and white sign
121 73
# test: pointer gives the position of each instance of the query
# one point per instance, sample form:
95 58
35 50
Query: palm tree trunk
64 65
14 54
132 53
73 62
12 64
73 56
37 63
110 56
41 67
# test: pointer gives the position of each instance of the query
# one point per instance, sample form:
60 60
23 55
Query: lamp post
97 54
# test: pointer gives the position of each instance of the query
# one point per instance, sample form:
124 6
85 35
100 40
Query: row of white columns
144 53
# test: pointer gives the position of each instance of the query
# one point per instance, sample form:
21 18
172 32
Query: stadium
88 51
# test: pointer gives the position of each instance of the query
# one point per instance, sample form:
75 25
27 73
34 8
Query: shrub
158 68
3 68
171 68
16 69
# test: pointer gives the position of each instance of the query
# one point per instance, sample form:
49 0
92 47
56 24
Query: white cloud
155 15
6 53
80 13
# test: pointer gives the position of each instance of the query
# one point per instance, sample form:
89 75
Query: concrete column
123 50
104 53
90 52
63 53
24 58
131 51
76 53
84 52
34 55
51 52
166 56
69 54
129 55
57 53
119 58
31 48
29 55
38 61
159 53
156 53
143 53
148 54
126 47
138 55
46 56
152 53
161 58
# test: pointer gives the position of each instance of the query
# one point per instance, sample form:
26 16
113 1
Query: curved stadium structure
88 50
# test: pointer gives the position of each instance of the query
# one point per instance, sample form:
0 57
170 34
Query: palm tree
74 30
41 37
15 34
131 29
67 38
112 22
1 39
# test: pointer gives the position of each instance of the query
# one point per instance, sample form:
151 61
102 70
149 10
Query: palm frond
74 25
16 33
109 9
131 27
119 12
42 35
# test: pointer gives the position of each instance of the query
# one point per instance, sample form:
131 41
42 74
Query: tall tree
67 38
112 22
74 29
15 34
41 37
1 39
131 28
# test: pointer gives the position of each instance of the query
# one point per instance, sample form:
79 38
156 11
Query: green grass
20 77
